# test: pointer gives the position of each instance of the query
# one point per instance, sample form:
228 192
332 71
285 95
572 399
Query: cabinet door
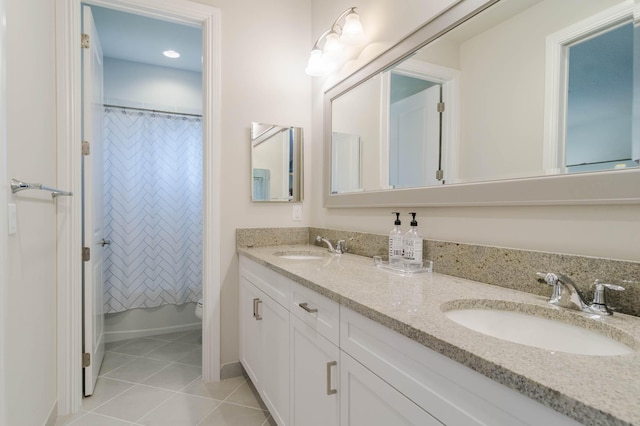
250 330
368 400
314 377
274 351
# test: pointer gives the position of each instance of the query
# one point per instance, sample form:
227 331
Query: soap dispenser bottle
396 242
413 246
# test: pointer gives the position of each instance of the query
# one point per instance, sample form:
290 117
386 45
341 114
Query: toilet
199 309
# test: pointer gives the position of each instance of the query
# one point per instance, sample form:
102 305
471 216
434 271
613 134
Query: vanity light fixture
172 54
336 40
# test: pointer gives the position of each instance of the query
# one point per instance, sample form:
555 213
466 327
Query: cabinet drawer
317 311
270 282
451 392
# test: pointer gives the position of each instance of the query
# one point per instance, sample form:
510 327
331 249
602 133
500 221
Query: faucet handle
341 247
599 304
548 277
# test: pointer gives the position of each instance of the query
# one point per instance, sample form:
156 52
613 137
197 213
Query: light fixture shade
316 66
332 43
352 32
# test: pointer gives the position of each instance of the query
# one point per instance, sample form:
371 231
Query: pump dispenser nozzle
397 222
413 220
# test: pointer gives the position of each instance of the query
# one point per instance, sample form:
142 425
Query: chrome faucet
319 239
567 295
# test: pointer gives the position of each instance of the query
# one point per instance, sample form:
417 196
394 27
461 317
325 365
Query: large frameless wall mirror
276 163
495 92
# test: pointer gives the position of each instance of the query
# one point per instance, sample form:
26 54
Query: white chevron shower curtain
153 209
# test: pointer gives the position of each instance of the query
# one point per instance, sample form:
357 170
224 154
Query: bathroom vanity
331 339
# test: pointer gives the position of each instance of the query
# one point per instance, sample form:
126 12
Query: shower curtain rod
152 110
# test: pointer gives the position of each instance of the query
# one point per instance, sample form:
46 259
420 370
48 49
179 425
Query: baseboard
114 336
231 369
53 415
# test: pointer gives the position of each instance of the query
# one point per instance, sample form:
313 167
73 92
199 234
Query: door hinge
439 174
440 106
86 359
86 148
86 254
84 41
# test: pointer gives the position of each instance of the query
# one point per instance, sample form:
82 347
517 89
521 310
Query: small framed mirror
276 163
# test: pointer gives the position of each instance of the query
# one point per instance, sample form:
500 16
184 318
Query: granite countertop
593 390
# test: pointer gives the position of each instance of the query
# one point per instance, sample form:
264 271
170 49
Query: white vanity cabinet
315 362
264 336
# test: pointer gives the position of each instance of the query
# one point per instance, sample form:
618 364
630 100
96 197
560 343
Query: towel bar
18 185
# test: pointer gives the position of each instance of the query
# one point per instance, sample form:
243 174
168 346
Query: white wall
140 85
140 322
605 231
353 115
265 47
30 312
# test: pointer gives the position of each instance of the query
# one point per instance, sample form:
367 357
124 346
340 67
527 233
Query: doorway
70 215
144 276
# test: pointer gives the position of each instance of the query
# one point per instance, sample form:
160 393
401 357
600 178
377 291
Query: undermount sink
551 334
302 255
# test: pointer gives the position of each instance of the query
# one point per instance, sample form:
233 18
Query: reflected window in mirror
600 102
276 163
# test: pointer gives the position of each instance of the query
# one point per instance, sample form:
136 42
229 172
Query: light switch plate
297 212
13 222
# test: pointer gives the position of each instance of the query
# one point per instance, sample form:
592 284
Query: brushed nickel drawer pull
329 390
256 315
306 307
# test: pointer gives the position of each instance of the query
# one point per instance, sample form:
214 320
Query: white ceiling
140 39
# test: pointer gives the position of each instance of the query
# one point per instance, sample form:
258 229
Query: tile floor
157 381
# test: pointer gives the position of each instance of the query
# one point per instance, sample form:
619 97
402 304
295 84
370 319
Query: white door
92 113
414 140
250 330
366 399
314 377
274 352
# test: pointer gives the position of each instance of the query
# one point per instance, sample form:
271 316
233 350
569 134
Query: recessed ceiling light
171 54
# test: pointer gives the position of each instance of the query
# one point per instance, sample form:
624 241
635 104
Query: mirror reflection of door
600 102
414 132
276 163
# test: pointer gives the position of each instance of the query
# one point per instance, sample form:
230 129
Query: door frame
449 79
69 211
4 197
